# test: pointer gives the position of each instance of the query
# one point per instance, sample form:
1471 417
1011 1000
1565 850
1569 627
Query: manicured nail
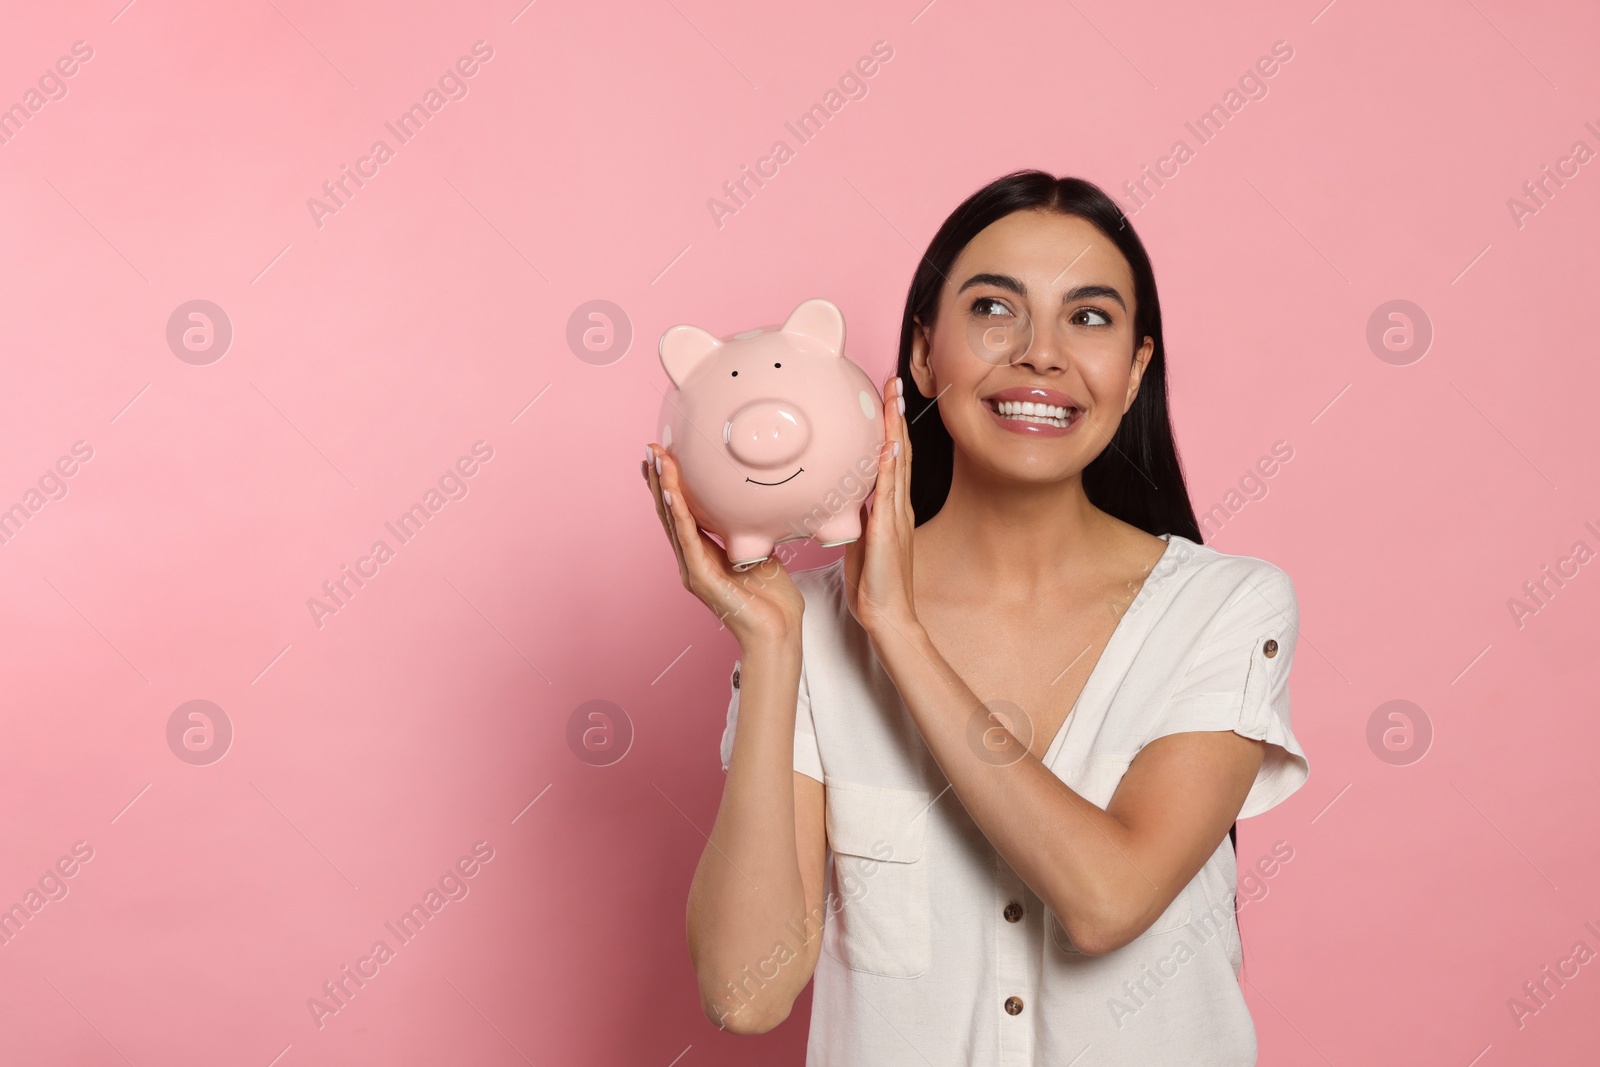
901 401
658 465
649 454
897 448
666 495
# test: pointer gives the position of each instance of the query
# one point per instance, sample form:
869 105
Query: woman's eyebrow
1082 292
1085 292
1002 281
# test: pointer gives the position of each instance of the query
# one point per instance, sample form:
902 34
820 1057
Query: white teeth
1029 411
1028 407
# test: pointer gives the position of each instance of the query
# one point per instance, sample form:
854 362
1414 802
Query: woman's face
1035 322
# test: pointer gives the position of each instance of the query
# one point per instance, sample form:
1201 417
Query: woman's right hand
757 605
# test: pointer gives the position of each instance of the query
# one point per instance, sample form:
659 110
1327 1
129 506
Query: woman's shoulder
1221 578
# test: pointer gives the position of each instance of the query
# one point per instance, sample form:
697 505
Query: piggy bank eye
735 374
777 364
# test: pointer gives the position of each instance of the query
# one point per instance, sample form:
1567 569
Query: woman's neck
1010 538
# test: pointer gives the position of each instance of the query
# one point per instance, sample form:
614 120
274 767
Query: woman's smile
1034 411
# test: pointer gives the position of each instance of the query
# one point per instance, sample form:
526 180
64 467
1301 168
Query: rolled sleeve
807 757
1239 681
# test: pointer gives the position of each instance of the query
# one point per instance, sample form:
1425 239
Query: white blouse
934 951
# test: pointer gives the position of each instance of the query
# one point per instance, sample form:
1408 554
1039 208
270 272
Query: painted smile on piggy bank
791 477
788 402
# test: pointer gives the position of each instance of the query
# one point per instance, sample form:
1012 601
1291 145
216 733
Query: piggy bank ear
820 321
683 348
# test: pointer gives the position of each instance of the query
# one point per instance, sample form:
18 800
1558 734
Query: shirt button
1013 1005
1013 912
1270 649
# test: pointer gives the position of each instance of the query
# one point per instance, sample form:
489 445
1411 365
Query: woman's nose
1044 354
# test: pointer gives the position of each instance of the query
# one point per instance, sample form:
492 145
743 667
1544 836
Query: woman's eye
989 307
1104 319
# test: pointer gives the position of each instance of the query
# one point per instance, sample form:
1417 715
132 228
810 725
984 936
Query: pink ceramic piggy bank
776 433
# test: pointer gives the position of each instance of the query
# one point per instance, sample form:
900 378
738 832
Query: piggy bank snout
767 434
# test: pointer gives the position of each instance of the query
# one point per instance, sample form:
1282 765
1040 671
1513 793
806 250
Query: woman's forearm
748 894
1075 856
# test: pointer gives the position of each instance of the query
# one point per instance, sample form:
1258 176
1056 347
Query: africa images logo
452 85
453 886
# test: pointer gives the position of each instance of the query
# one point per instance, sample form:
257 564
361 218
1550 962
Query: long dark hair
1137 476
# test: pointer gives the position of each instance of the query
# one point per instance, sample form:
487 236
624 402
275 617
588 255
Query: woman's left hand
877 566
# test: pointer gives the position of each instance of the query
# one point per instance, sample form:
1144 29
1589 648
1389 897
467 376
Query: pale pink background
432 310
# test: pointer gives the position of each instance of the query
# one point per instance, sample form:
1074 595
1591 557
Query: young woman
986 799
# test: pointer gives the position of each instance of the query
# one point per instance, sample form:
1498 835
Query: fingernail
901 401
897 448
649 453
658 464
666 495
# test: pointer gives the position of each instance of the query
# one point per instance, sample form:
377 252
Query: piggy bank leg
746 550
841 529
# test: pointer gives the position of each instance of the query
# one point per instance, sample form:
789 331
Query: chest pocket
879 893
1097 784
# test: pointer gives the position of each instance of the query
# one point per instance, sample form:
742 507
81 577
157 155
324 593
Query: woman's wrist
894 638
774 645
902 626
